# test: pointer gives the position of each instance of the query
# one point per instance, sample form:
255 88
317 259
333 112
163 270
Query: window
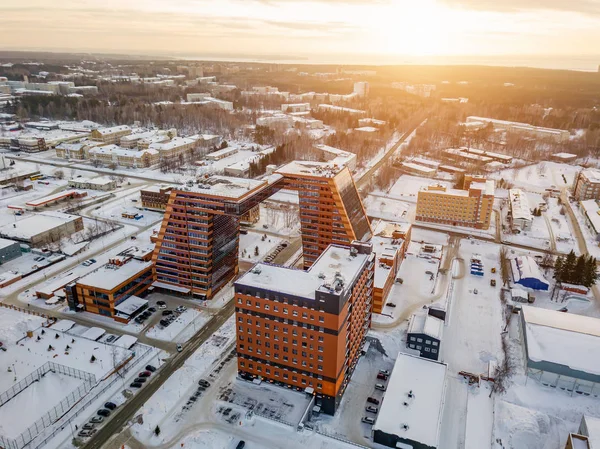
239 300
320 367
434 351
419 340
242 363
319 386
295 361
267 307
276 308
412 339
321 339
320 358
322 319
285 358
285 310
294 312
240 319
427 342
427 349
249 321
419 347
285 375
320 348
268 370
435 343
257 305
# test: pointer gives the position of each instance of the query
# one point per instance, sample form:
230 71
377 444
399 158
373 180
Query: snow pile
519 428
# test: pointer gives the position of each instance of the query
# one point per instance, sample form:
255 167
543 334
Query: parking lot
348 420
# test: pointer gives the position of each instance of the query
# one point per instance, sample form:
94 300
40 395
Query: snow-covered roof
592 212
113 130
426 162
131 305
562 338
593 430
55 197
592 174
334 263
564 156
109 276
125 341
417 167
519 205
93 333
63 325
310 168
525 267
224 186
517 292
38 223
422 323
5 243
415 418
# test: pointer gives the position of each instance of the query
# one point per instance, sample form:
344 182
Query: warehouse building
9 250
526 272
411 412
42 228
559 349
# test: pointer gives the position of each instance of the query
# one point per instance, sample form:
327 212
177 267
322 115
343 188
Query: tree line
580 270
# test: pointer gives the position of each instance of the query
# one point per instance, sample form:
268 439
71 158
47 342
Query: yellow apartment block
469 207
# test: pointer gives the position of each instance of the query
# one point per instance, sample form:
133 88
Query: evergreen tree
157 431
590 272
558 268
568 268
580 271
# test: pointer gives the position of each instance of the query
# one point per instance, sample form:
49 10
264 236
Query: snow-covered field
539 177
52 387
388 209
113 210
278 218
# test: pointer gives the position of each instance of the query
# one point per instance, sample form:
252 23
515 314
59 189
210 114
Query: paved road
123 414
551 232
366 176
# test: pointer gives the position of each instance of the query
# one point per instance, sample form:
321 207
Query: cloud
590 7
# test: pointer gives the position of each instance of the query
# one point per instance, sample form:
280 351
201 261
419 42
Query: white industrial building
521 217
411 412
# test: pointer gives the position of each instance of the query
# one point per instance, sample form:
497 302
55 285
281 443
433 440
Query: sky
360 29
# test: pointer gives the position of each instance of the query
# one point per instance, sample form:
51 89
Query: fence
28 311
140 353
51 416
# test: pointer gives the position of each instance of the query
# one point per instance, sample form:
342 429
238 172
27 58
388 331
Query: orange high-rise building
306 329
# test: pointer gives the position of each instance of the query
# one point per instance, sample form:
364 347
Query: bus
35 177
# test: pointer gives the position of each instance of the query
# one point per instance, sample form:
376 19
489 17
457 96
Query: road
551 232
366 176
123 414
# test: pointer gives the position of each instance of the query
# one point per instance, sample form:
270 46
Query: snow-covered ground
539 177
180 330
165 406
278 218
252 240
561 226
128 203
388 209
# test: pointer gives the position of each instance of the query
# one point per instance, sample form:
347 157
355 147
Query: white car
162 306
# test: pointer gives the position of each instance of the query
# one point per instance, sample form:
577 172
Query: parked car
179 348
384 371
140 380
150 368
103 412
144 374
380 387
371 409
382 376
475 291
111 338
161 304
164 323
151 309
97 419
88 426
204 383
373 400
135 385
181 309
93 260
241 445
86 432
368 420
391 304
110 405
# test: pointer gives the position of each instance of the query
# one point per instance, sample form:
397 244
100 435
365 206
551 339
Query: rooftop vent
256 270
410 394
321 275
404 426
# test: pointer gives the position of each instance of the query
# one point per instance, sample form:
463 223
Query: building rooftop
5 243
113 130
519 204
592 174
310 168
223 186
109 276
525 267
417 167
422 323
414 401
562 338
35 224
131 305
592 211
335 264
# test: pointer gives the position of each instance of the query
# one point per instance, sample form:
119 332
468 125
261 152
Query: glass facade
353 205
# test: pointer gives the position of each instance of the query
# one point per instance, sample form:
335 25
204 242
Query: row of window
278 374
305 315
427 342
418 347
